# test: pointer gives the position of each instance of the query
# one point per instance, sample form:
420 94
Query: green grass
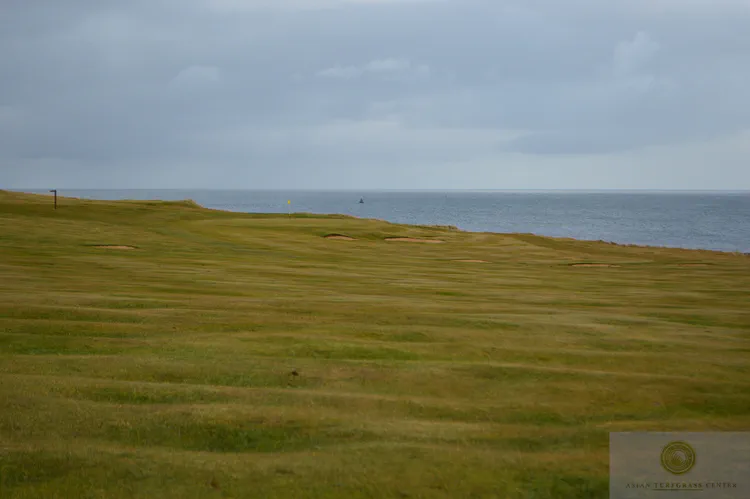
165 370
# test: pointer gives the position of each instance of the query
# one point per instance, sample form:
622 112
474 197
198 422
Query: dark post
55 191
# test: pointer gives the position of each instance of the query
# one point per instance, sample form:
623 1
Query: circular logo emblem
678 458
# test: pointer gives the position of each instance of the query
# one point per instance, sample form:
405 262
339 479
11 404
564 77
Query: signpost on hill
55 193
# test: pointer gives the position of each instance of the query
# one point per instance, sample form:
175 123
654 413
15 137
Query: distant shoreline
486 214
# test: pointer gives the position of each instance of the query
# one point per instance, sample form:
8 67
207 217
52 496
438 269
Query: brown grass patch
339 237
594 265
413 240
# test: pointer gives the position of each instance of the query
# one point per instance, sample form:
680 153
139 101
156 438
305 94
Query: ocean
700 220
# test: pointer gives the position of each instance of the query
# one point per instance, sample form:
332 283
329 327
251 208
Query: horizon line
278 189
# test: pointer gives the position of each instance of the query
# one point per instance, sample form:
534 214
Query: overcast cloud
375 94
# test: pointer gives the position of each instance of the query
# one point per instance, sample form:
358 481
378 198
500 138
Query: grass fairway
147 350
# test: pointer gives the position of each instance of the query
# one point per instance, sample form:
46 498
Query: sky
375 94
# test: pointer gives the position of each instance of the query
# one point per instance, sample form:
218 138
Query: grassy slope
165 371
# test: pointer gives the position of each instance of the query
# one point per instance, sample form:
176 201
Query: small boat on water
361 200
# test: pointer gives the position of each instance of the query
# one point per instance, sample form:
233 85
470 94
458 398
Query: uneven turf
148 349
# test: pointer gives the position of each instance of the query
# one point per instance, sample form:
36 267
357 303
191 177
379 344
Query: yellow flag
289 202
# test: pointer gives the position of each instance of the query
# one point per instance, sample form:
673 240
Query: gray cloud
372 93
388 69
